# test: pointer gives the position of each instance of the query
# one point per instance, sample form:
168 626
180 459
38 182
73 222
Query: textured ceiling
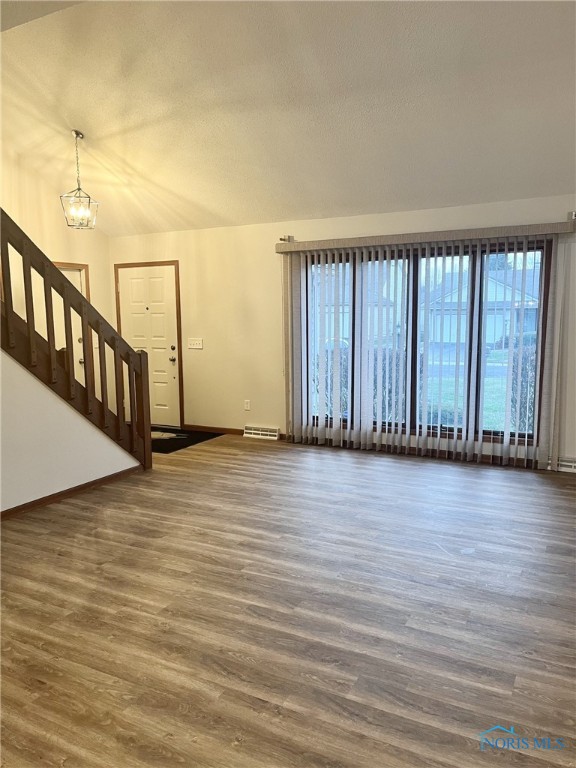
16 12
201 114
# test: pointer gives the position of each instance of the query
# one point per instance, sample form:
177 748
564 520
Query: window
443 331
433 347
510 320
330 337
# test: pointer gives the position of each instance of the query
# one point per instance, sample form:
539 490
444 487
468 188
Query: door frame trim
73 267
175 264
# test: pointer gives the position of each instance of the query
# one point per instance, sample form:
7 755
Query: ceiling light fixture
79 208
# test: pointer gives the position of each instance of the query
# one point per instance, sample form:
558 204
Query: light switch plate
195 343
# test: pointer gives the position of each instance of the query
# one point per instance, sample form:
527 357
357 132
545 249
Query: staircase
40 309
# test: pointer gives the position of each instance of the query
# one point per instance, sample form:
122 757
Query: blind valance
482 233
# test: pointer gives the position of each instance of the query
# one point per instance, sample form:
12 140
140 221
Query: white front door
148 321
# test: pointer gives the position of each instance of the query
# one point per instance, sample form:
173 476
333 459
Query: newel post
143 408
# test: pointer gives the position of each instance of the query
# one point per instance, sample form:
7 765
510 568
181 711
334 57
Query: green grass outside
498 356
494 400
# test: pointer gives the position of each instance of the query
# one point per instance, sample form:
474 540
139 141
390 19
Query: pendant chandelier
79 208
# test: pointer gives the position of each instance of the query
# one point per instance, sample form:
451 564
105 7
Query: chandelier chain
77 164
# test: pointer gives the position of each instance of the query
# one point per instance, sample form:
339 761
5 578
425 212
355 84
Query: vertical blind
431 348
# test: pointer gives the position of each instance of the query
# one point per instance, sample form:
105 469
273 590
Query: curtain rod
555 228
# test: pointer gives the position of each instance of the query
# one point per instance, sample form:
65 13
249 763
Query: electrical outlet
573 215
195 343
246 405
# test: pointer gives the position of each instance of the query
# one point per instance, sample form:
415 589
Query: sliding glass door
433 348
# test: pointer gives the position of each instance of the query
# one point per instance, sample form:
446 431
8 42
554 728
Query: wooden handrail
55 368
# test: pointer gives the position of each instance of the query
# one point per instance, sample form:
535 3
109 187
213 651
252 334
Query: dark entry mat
175 441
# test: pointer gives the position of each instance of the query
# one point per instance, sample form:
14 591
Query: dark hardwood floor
260 605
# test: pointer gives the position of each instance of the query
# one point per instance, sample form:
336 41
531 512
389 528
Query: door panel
77 274
148 321
76 278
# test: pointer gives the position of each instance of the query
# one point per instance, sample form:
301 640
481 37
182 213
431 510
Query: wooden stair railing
114 395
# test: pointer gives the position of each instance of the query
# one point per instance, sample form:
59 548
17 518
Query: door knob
172 359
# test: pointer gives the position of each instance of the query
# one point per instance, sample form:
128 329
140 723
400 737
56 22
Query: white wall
36 208
231 284
231 295
46 446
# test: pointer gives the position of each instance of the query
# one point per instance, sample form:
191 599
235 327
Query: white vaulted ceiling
201 114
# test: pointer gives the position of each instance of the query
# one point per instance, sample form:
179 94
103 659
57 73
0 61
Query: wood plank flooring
261 605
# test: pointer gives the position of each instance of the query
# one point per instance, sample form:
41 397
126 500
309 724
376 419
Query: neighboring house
510 303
